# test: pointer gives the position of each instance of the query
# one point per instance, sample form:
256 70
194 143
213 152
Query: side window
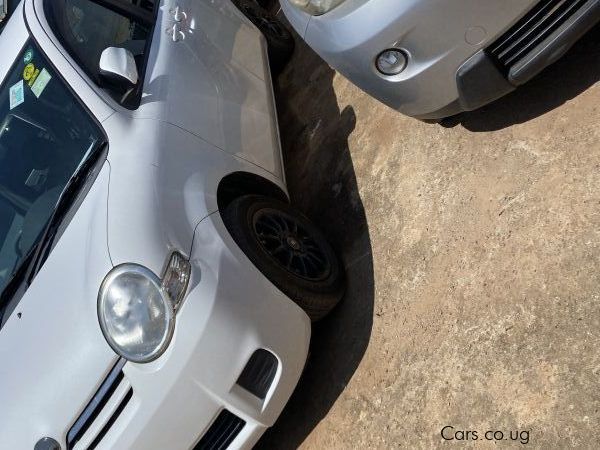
87 27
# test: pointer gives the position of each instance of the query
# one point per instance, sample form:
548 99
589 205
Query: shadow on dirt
573 74
322 183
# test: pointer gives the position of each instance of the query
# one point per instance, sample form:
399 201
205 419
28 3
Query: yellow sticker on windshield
28 71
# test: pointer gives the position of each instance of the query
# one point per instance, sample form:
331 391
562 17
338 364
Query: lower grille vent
538 24
222 432
101 412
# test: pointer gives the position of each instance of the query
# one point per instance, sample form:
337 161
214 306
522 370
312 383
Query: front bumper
439 37
231 311
510 62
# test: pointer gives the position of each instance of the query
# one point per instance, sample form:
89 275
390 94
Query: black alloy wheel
289 250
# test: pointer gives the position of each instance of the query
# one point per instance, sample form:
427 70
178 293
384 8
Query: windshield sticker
28 56
40 83
30 74
28 71
17 94
33 77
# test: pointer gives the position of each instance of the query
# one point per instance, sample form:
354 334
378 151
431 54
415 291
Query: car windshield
45 134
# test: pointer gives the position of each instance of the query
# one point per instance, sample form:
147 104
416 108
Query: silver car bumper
439 37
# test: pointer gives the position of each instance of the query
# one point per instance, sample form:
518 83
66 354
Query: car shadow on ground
573 74
322 183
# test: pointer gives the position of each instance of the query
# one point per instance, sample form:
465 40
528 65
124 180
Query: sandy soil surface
472 251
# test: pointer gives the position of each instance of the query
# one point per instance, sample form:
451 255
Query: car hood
54 355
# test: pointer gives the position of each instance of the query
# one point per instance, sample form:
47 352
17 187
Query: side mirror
119 65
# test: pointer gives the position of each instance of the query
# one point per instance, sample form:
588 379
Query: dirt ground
472 251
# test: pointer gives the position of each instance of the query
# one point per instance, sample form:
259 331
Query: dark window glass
45 134
148 5
86 29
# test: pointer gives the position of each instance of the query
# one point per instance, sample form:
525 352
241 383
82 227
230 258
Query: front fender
163 182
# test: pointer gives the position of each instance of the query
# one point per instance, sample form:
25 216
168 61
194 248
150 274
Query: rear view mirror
119 65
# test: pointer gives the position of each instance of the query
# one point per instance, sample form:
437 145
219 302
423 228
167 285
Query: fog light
391 62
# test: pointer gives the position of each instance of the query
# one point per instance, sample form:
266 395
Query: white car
157 290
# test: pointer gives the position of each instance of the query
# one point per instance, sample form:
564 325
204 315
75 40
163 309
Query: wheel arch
238 184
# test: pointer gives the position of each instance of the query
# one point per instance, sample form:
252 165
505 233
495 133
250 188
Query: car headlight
136 309
316 7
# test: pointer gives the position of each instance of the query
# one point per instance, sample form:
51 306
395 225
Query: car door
208 73
203 67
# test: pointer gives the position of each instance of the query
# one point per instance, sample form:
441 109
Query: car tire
289 250
280 40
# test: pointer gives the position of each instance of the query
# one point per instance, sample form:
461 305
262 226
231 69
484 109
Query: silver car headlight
316 7
136 308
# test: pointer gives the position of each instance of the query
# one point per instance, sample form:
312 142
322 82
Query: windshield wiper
37 254
69 193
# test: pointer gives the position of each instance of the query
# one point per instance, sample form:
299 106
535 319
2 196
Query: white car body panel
159 170
210 71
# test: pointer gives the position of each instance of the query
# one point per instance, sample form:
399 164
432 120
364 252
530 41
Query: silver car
431 59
